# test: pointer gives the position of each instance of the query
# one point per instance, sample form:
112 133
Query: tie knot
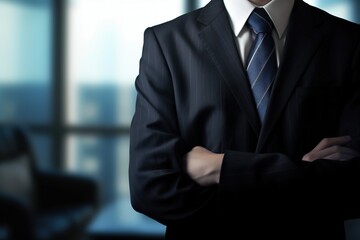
259 21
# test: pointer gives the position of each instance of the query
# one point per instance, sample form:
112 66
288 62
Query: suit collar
211 11
278 10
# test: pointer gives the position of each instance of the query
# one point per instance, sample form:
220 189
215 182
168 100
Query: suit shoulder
336 21
181 23
342 23
342 27
339 28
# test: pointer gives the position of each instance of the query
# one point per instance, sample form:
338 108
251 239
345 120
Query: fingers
338 153
339 157
332 149
328 142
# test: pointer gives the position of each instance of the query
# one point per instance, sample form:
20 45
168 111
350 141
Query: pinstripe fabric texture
261 65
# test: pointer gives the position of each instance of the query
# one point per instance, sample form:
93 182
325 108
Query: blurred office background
67 71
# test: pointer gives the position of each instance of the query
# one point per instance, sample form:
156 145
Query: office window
104 41
25 61
103 49
26 68
103 157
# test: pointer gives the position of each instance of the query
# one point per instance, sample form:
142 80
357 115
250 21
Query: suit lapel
219 41
303 38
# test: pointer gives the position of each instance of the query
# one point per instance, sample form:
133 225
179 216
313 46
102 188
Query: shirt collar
278 10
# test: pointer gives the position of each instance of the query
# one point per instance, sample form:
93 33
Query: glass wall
26 75
103 47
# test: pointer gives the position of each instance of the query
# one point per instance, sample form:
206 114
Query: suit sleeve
326 183
158 186
342 179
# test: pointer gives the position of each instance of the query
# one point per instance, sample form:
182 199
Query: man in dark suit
206 163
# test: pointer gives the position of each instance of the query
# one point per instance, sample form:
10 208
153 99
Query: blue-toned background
67 71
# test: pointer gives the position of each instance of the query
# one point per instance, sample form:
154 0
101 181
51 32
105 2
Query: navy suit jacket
193 90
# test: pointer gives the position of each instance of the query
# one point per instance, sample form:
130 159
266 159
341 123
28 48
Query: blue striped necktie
261 63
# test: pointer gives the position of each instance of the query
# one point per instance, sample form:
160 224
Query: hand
332 149
203 166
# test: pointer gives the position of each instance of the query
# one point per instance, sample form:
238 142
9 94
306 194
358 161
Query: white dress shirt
239 11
